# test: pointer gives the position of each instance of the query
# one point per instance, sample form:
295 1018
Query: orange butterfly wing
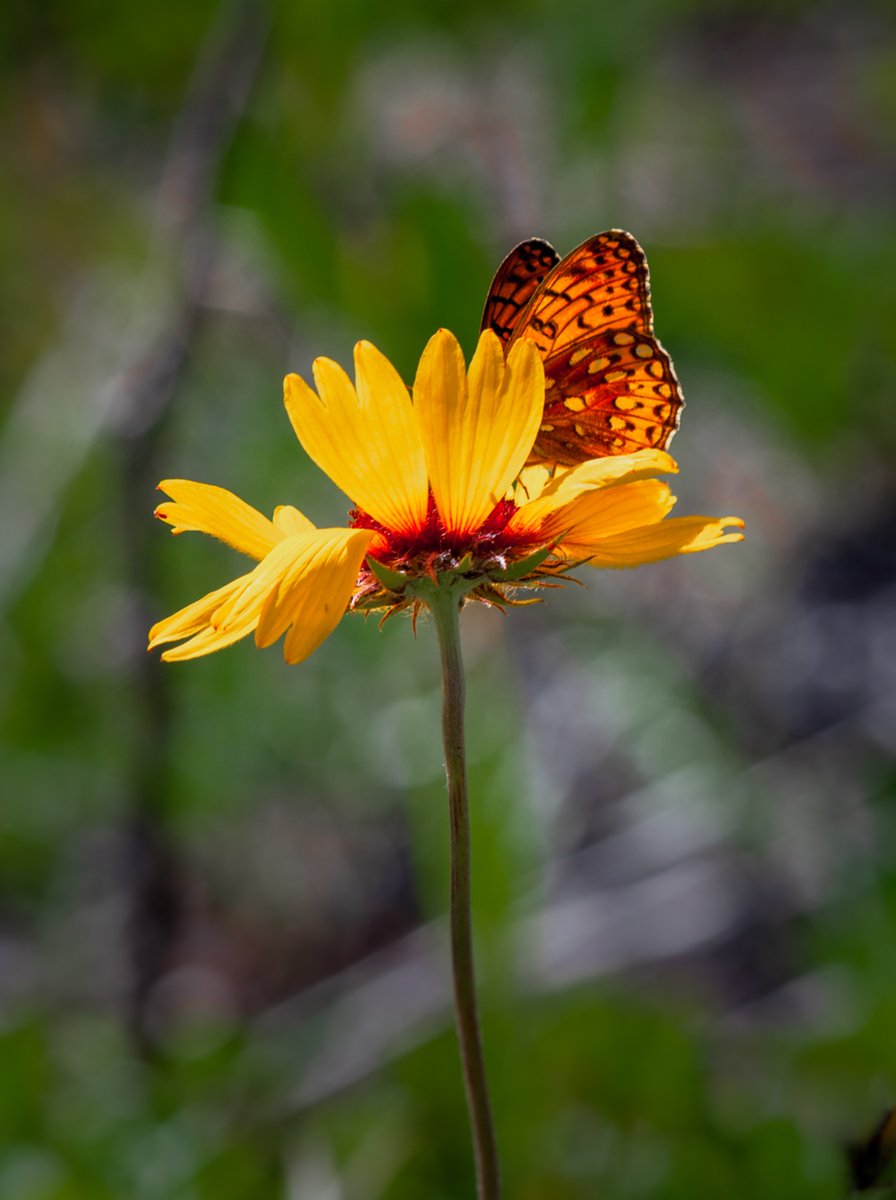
515 282
610 387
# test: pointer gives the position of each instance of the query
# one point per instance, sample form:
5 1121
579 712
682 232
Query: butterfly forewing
602 284
610 386
515 281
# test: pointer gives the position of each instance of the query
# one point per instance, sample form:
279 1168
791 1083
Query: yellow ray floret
204 508
193 622
594 516
477 429
596 474
650 543
289 520
313 592
364 436
303 585
611 513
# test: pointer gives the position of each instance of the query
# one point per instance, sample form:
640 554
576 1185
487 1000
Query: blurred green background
223 968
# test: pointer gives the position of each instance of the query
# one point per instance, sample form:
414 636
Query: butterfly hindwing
614 393
515 281
610 385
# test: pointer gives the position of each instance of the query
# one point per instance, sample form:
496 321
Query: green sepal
374 602
393 580
523 567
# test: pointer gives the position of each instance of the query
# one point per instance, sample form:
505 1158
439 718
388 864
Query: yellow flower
442 495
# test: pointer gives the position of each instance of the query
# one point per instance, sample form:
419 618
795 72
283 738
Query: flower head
443 497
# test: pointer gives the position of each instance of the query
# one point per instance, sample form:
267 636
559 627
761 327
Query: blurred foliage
737 709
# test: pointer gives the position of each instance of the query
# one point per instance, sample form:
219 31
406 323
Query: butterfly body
610 387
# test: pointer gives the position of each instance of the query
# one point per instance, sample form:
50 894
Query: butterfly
610 387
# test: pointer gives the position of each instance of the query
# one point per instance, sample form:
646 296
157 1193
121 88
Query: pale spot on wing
599 364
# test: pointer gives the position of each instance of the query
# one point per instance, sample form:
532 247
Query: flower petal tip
664 463
444 337
736 532
521 349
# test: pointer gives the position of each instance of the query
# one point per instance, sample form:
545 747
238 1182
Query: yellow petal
204 508
234 617
677 535
207 641
531 483
595 516
242 608
596 474
302 556
195 616
477 432
289 520
193 623
306 581
366 440
312 595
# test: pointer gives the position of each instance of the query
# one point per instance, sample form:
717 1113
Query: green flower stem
445 606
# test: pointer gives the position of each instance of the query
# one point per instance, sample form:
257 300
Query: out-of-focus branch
185 236
869 1160
184 231
125 335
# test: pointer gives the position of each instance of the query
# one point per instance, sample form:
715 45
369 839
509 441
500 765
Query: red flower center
431 545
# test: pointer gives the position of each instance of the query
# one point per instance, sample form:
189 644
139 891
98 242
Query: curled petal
207 641
194 622
204 508
595 516
595 475
677 535
305 582
312 594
